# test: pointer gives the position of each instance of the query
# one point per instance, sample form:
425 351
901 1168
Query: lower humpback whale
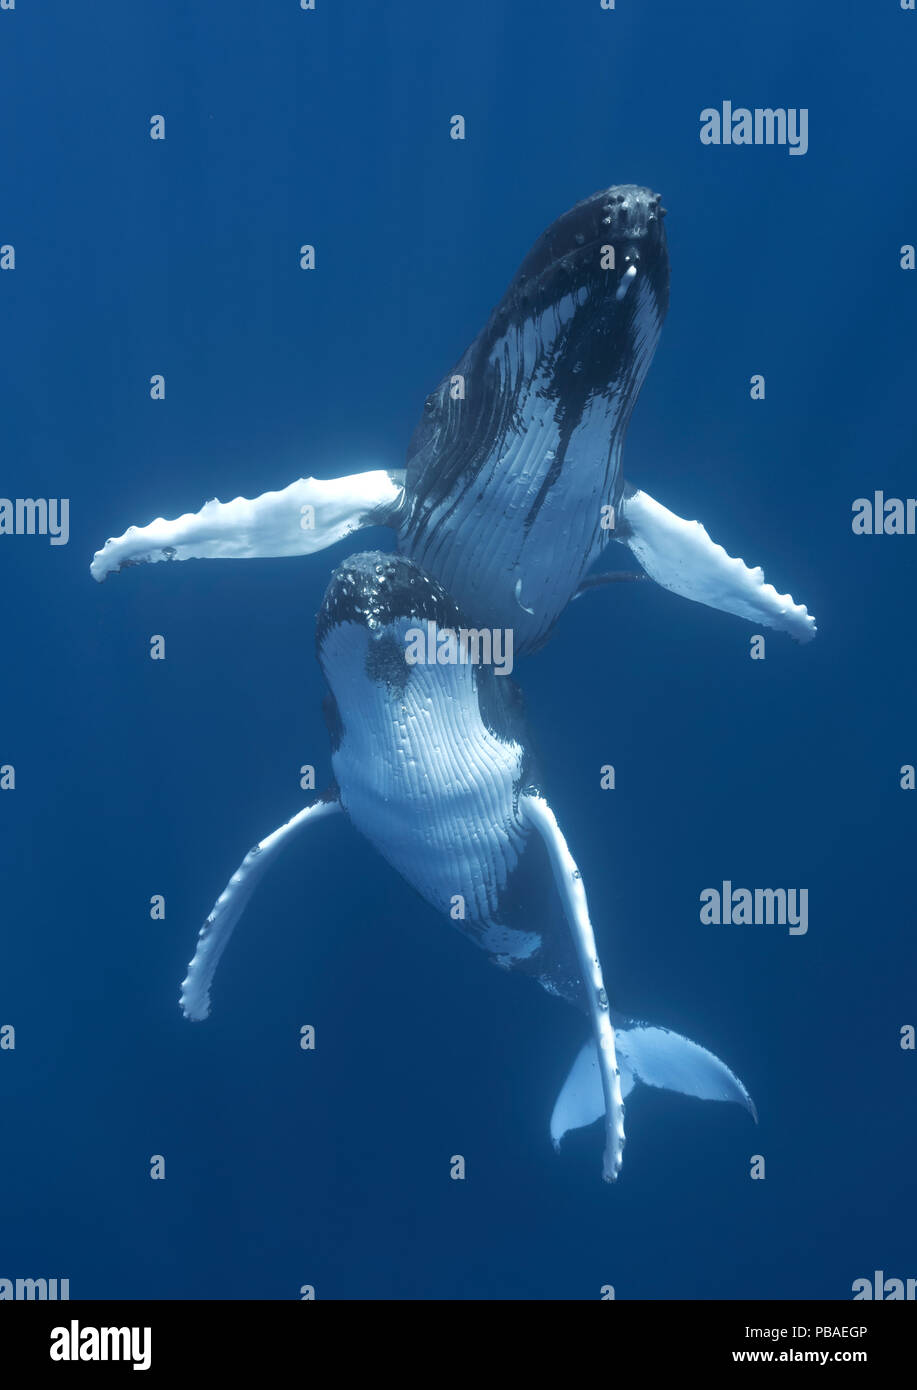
432 764
513 483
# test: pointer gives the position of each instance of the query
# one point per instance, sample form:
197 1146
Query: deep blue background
137 777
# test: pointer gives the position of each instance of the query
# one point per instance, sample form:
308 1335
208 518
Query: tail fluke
651 1055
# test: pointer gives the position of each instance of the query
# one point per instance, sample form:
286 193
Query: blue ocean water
137 777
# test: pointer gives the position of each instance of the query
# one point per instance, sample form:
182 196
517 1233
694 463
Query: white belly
429 785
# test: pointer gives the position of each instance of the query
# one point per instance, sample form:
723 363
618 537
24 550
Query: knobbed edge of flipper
214 935
680 555
308 515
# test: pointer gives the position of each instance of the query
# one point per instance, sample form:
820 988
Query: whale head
537 407
373 592
392 644
606 243
372 603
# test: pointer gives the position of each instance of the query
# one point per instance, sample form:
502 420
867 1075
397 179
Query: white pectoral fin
654 1056
309 515
229 906
680 556
573 896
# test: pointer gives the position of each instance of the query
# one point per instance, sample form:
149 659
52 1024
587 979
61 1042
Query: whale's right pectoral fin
216 931
309 515
680 556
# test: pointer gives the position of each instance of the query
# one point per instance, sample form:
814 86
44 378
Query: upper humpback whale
432 764
513 483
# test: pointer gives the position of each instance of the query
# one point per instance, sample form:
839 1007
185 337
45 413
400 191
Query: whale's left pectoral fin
653 1056
309 515
573 896
680 556
216 931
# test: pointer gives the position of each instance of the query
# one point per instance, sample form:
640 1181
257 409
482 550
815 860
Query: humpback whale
513 484
433 766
